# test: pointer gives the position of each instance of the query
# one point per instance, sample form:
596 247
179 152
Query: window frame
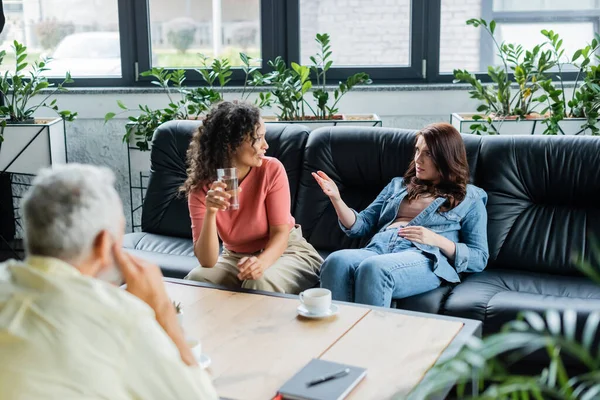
380 74
487 49
273 42
280 35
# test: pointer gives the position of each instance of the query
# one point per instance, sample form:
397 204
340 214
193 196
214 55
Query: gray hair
67 207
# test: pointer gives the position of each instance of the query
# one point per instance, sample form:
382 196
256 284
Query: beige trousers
296 270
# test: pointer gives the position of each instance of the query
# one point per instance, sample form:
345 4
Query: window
518 22
110 42
180 29
363 32
380 37
85 40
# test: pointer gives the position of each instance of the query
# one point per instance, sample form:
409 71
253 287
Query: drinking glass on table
230 178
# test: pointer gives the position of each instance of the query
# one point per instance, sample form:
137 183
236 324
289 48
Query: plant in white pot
531 103
290 88
28 143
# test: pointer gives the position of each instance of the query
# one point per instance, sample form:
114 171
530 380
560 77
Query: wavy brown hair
450 158
223 130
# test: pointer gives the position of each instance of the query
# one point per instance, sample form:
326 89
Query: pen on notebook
338 374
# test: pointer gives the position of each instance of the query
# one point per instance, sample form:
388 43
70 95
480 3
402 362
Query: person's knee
337 263
264 284
195 274
372 270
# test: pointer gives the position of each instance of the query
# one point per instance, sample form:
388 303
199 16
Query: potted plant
179 312
28 143
531 104
290 87
485 360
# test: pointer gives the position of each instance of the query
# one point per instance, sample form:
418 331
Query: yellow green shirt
64 335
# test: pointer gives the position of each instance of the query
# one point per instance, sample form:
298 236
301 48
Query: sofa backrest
363 160
165 211
544 200
543 192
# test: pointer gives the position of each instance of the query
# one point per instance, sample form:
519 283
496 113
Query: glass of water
230 178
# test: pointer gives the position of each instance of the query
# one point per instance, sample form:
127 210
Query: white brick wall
377 32
368 32
459 43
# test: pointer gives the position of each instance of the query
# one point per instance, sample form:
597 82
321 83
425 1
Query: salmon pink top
264 201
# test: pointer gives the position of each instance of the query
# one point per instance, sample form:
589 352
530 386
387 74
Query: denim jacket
465 225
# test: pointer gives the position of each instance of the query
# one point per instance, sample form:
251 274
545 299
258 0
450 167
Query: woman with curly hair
263 249
430 226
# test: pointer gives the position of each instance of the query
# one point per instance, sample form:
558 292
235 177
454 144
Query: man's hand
251 268
420 234
144 280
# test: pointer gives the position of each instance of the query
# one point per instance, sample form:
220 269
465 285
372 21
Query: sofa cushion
165 210
175 256
362 161
542 200
497 296
428 302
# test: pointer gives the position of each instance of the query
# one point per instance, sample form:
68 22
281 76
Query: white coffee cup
316 301
195 346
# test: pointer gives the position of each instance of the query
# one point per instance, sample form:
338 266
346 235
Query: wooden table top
258 342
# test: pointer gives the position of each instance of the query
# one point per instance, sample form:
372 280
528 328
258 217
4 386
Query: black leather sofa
544 203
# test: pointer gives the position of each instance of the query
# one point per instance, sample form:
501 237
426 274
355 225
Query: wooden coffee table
257 341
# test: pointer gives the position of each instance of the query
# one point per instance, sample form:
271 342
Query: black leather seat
543 206
498 295
167 237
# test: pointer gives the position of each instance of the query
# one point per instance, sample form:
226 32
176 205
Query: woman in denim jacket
429 226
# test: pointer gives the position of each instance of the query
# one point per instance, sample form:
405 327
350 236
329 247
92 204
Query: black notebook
298 388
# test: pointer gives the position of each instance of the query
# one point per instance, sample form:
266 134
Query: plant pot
27 147
514 126
339 120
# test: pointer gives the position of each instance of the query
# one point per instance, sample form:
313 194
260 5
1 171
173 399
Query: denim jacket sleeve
367 219
472 251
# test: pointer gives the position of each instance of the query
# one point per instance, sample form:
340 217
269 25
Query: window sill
236 89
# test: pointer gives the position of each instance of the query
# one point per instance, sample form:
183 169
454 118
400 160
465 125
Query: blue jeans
389 267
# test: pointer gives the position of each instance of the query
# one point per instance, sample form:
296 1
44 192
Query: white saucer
204 361
333 310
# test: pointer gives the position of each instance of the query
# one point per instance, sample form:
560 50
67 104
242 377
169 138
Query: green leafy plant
531 74
489 359
289 87
183 103
253 78
178 307
218 71
321 64
529 69
291 84
19 88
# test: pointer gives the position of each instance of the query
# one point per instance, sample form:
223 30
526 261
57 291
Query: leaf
109 116
492 26
553 322
569 324
534 320
121 105
589 330
576 55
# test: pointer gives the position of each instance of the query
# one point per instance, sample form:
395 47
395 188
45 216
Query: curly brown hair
223 130
450 158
